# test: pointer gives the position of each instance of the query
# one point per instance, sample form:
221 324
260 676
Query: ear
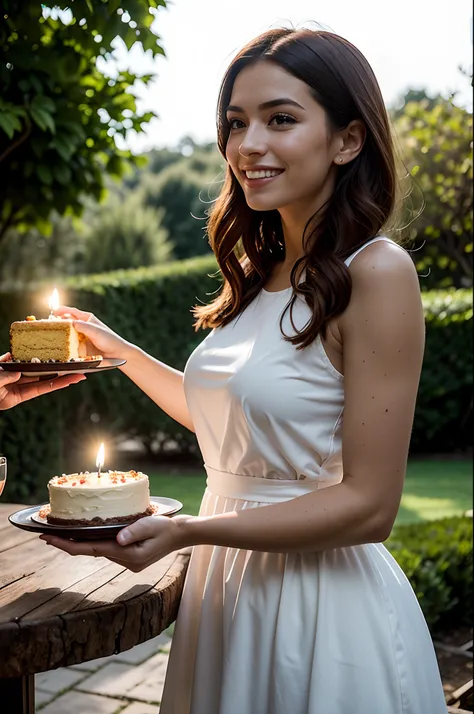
351 141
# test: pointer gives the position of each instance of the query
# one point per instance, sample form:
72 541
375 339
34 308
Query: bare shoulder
381 261
384 283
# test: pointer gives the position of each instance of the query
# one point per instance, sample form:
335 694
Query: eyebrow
268 105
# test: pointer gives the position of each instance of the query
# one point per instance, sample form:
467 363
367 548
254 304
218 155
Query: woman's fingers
66 311
103 340
97 549
37 389
141 530
6 357
99 338
27 380
8 377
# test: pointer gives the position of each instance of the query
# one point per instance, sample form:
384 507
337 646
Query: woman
302 398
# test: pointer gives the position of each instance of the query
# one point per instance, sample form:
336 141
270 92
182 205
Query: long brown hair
248 244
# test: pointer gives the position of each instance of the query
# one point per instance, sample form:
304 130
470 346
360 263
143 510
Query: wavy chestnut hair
248 243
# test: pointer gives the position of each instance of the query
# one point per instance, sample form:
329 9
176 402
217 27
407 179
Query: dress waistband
255 488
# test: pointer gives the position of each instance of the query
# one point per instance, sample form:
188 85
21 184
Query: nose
254 142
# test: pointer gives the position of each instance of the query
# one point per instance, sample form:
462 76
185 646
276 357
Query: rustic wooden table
56 610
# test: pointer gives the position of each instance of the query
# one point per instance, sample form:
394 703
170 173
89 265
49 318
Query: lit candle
53 303
100 459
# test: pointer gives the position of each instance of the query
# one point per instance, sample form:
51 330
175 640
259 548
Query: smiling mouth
261 175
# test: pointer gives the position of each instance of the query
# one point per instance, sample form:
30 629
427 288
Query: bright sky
408 43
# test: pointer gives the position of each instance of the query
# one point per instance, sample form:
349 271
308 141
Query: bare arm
163 384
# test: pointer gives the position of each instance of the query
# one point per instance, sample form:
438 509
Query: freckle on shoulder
381 256
383 261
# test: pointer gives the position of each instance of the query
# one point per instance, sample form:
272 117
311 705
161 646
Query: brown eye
282 119
236 123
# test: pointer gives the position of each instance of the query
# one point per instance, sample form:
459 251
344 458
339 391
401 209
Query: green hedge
152 308
443 419
436 557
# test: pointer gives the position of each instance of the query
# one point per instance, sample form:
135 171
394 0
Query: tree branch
16 144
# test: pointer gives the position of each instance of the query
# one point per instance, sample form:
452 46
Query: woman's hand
15 389
100 338
136 547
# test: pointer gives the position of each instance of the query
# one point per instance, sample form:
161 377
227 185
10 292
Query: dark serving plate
48 370
29 519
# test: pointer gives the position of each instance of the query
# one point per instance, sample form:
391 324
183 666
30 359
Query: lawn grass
433 489
436 489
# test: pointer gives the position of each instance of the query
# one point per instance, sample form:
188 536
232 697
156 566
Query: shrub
436 557
443 419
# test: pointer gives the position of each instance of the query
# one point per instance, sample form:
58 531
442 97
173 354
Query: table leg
17 694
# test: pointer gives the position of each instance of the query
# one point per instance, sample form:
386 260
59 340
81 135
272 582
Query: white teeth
264 173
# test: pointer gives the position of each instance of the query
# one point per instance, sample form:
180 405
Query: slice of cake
43 340
86 499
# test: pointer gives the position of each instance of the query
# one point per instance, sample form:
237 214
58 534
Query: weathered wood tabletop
57 610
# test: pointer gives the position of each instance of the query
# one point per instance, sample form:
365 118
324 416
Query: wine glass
3 473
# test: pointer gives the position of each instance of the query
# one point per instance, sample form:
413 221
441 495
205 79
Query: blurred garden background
121 231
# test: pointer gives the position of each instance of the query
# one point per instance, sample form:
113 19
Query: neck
295 216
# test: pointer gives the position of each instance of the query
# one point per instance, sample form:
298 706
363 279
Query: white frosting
87 496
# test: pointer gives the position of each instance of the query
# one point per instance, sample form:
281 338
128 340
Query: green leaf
44 103
44 173
62 173
43 120
64 149
73 127
36 84
9 123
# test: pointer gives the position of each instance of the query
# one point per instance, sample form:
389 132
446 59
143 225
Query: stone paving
126 683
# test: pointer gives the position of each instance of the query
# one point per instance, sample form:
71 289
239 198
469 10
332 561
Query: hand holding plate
14 389
136 547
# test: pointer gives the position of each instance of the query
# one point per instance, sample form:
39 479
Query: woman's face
279 148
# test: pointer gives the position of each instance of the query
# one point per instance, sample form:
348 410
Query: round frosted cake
87 499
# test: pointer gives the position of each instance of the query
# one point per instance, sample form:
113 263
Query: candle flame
100 457
53 301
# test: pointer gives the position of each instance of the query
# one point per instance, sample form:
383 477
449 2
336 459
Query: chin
262 203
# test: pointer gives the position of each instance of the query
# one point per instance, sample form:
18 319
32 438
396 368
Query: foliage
185 189
62 104
415 95
125 234
151 308
443 420
436 557
31 439
436 138
156 161
33 257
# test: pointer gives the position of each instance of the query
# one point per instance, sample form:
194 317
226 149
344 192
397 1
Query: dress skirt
332 632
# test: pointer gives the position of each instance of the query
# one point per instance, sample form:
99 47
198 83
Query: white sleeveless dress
332 632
